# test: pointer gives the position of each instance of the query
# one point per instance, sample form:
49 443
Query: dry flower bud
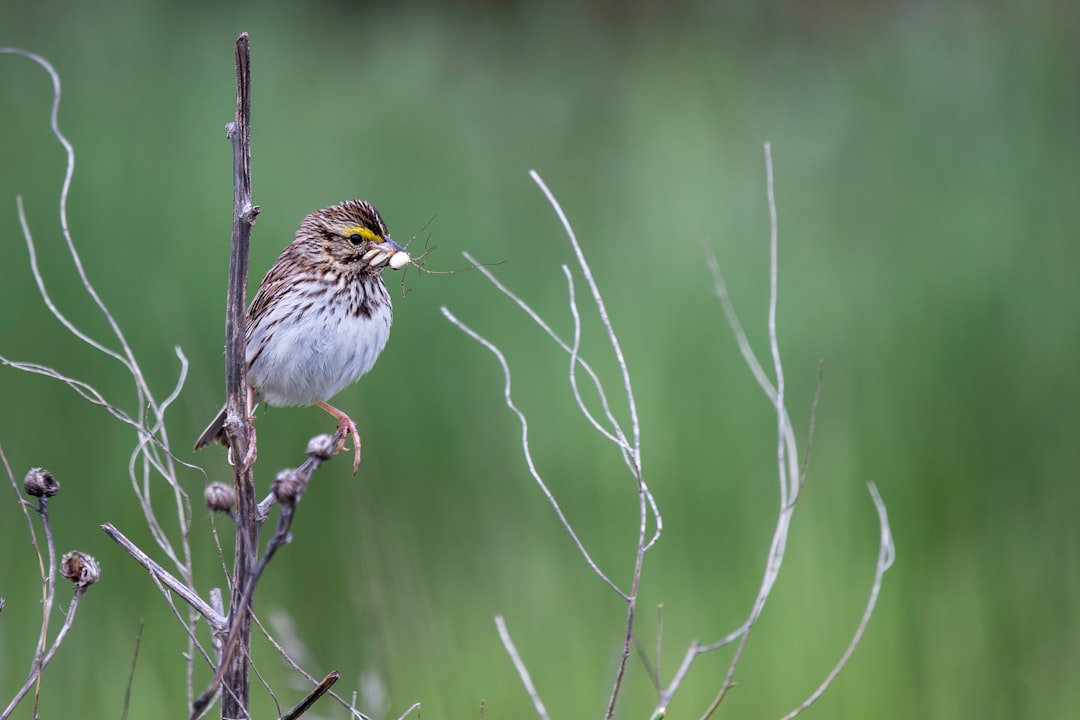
219 497
80 568
287 487
40 483
321 446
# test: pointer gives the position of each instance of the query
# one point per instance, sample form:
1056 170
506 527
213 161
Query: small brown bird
322 314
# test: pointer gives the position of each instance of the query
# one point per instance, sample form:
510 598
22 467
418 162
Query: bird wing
277 281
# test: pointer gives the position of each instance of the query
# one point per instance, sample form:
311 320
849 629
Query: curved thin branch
508 399
886 557
598 300
522 670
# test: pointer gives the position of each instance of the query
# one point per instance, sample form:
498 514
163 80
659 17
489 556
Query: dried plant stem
886 556
522 670
164 577
304 705
230 633
234 668
151 455
353 712
41 661
289 489
609 428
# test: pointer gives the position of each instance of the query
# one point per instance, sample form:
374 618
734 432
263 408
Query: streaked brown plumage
322 314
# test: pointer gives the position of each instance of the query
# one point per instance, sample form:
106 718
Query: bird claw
347 428
252 451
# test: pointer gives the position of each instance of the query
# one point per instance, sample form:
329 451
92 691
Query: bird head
354 236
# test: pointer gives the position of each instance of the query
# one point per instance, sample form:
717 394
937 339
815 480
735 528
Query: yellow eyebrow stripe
366 233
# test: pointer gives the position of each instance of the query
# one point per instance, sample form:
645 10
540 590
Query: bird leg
252 451
347 428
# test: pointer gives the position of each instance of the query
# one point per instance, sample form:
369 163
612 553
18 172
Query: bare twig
508 399
131 672
163 576
601 308
151 456
152 435
234 668
645 499
519 665
684 667
48 582
41 662
611 430
291 662
288 489
886 556
321 689
791 476
48 578
812 426
787 452
695 649
83 571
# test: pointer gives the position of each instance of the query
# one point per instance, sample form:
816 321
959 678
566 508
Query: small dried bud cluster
287 488
219 497
40 483
321 447
80 568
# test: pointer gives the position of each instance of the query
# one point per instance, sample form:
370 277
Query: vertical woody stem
235 678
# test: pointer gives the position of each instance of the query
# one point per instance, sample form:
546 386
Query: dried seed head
219 497
80 568
287 488
321 446
40 483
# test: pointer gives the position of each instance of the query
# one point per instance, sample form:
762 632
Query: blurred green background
927 169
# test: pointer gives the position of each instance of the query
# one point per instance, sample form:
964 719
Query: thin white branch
519 665
148 417
684 667
35 676
602 310
180 380
724 641
774 343
145 402
508 399
616 434
886 557
630 450
787 449
47 299
128 358
216 622
575 358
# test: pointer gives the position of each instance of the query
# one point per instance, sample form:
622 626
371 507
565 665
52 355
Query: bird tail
214 432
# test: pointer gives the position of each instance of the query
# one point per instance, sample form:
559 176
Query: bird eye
355 239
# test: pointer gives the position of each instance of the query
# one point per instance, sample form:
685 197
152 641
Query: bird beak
387 250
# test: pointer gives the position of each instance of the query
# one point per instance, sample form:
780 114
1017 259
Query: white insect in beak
388 250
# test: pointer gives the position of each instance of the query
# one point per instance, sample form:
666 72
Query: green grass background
926 160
